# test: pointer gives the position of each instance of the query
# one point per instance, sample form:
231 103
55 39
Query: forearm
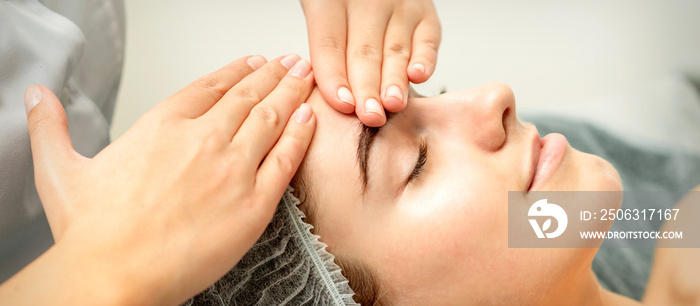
61 277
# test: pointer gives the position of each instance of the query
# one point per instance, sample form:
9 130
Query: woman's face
431 220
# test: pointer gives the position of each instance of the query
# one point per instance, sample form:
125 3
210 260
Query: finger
48 128
230 112
52 149
327 29
198 97
365 41
397 51
266 121
426 41
284 159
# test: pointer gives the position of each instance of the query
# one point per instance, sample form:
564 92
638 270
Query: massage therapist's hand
173 204
364 52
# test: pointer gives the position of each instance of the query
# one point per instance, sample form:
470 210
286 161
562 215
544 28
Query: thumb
48 128
52 152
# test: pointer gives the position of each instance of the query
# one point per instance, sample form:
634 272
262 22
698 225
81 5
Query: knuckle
411 7
431 44
246 94
158 121
277 72
397 50
295 87
369 7
298 140
212 84
368 88
239 155
284 163
438 27
222 171
330 45
210 141
337 76
367 52
38 122
267 114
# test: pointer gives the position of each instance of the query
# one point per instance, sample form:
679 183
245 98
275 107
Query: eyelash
422 158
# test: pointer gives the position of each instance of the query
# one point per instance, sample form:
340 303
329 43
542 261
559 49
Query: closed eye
422 158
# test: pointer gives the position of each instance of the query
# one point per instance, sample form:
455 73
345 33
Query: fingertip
393 105
305 123
48 126
41 103
290 60
372 120
32 97
418 73
303 114
301 69
418 67
345 96
371 113
311 124
394 99
340 99
256 61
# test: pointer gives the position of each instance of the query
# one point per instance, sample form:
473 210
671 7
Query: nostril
504 123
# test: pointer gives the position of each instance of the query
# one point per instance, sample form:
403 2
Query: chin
605 176
585 172
598 173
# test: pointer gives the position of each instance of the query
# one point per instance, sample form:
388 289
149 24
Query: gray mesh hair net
287 266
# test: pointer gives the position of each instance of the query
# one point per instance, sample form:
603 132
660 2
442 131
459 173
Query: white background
554 54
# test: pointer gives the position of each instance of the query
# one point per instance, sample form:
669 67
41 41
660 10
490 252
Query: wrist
59 277
92 277
113 277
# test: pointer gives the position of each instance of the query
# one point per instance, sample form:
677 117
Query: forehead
330 163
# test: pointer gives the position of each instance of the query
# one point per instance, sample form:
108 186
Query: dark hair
362 280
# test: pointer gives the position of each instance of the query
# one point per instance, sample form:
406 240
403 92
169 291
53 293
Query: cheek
462 209
455 226
459 252
461 200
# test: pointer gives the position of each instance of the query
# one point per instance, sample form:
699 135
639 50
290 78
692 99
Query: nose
483 114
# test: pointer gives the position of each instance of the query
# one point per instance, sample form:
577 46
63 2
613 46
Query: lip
548 153
536 145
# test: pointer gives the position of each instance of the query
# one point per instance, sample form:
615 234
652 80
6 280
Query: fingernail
372 106
301 69
32 97
303 113
256 61
394 91
418 66
345 95
289 60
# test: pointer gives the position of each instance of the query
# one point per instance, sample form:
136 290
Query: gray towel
652 168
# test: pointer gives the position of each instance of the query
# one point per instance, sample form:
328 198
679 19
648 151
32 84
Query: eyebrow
365 140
